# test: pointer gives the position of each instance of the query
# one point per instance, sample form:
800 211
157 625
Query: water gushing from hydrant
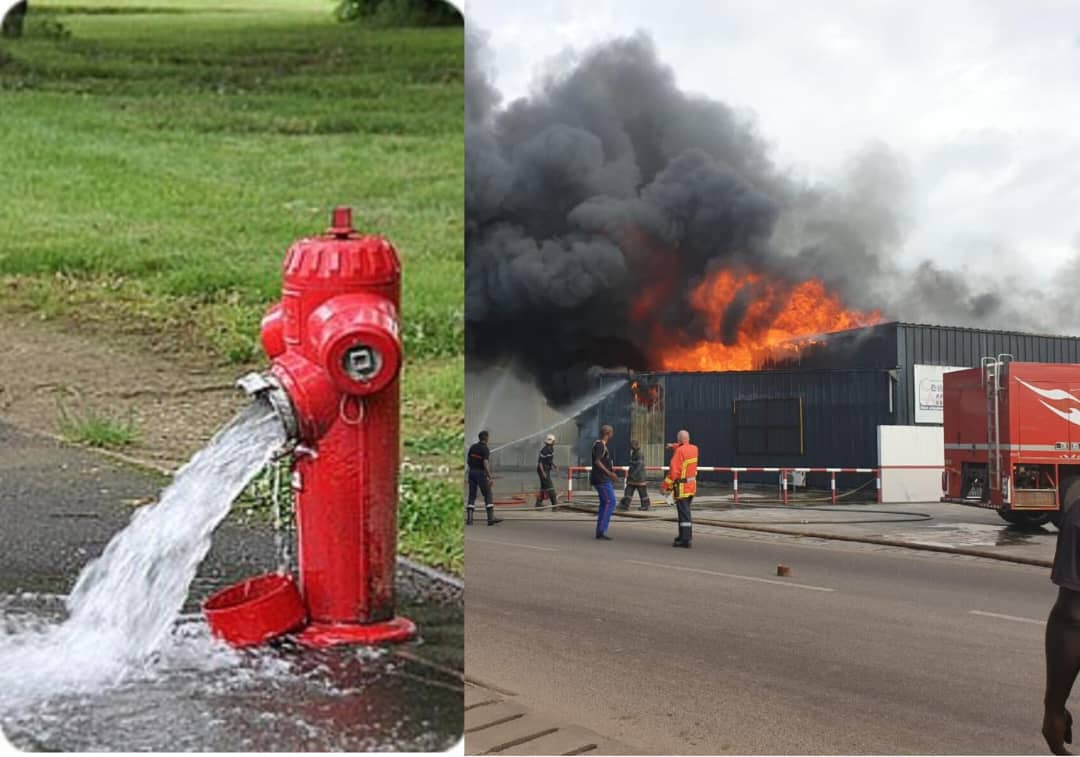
125 603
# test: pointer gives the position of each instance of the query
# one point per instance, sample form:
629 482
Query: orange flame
649 396
779 318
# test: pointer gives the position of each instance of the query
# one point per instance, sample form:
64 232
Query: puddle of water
198 694
973 535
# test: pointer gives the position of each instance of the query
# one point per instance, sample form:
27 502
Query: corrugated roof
969 329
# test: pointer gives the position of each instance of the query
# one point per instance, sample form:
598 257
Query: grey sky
980 100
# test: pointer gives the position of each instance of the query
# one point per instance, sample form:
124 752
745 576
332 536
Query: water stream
569 412
495 395
125 603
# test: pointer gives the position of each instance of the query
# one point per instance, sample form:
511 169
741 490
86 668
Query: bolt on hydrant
335 358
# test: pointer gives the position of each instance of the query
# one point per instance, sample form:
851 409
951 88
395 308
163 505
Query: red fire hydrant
335 358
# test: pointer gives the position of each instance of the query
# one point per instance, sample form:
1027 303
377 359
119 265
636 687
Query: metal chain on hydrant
281 539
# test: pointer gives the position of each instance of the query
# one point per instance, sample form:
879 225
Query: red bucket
255 610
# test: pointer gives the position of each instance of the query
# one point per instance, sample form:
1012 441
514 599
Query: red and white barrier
782 474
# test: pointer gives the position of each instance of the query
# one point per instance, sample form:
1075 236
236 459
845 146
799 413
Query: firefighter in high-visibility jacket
681 480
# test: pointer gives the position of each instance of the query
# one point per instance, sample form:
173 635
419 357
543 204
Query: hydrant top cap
341 222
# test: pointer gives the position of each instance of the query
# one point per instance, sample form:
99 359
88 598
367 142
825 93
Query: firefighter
601 477
635 479
681 480
1063 635
544 465
480 478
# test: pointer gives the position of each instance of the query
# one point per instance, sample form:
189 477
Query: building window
768 427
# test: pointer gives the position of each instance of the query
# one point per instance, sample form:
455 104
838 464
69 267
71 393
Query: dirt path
48 367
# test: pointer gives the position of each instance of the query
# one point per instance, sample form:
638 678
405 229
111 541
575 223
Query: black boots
492 520
542 498
682 507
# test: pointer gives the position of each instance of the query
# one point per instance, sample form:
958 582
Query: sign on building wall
930 392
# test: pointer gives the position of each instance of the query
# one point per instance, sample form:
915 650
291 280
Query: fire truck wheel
1026 520
1070 493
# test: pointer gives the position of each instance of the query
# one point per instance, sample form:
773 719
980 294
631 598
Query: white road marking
788 584
1006 617
512 544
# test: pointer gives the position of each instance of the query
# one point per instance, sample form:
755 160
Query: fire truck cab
1012 439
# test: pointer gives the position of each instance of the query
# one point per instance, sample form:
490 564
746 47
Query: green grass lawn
158 156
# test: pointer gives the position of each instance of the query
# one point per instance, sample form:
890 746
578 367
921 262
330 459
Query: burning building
819 404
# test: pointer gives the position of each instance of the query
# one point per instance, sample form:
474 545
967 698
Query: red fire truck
1012 439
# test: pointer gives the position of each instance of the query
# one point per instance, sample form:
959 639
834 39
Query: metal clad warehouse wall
841 411
919 344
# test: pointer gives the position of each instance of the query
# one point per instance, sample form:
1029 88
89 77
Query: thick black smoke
609 181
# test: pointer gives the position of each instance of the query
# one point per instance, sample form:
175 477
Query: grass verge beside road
97 429
159 157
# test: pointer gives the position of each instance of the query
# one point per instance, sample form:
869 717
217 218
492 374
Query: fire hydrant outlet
357 338
312 395
362 362
267 386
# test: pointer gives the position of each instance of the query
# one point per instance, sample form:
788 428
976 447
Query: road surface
863 649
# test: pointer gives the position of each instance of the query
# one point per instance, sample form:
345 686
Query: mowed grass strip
159 156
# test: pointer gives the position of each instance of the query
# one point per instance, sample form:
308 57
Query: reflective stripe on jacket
682 473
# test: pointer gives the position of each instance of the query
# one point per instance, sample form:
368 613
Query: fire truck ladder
993 369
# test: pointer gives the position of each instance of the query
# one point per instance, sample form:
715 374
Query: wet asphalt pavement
59 506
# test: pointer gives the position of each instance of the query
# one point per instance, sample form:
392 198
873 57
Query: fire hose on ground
639 515
709 502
